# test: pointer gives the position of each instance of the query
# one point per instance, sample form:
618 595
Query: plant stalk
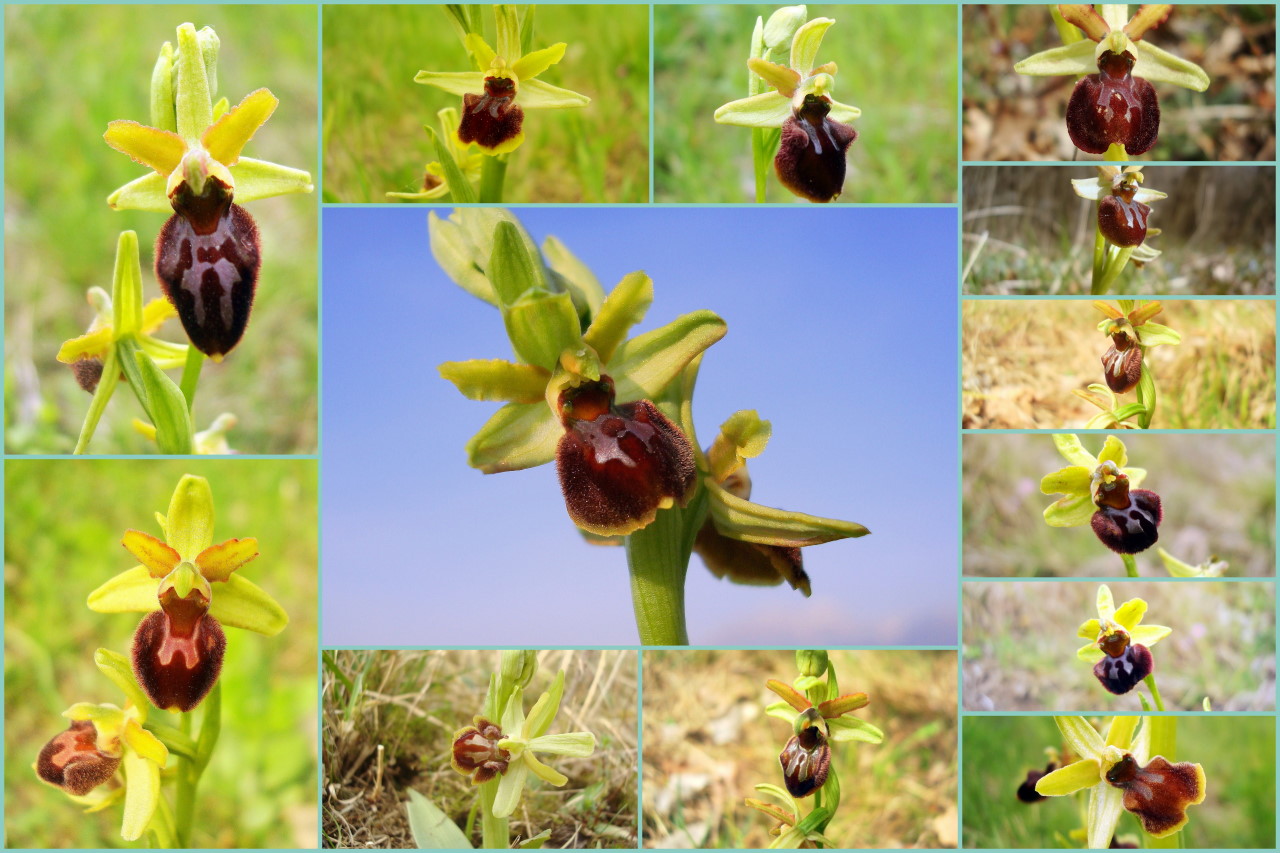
1155 692
658 560
494 832
492 175
101 396
190 769
1130 565
191 376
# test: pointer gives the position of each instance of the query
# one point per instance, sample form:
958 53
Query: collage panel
1210 501
861 752
1071 364
1048 230
89 287
783 358
163 692
1164 82
540 104
766 104
1125 781
1095 650
446 749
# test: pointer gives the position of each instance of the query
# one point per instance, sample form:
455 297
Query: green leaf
431 828
518 436
167 408
495 379
536 842
764 525
460 188
541 326
626 306
644 365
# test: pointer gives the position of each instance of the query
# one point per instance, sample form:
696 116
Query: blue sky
842 332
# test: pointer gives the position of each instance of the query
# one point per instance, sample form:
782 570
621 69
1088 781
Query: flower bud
476 753
178 650
811 157
73 762
1113 106
518 667
781 27
806 758
619 464
493 119
207 261
811 662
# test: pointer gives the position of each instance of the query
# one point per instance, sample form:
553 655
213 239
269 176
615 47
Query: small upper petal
226 138
532 64
156 149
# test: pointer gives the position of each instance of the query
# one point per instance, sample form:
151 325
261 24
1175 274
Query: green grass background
63 524
1237 755
374 112
896 63
68 71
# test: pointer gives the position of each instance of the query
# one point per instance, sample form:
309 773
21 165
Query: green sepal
162 107
626 306
544 710
209 46
1146 391
241 603
751 522
145 193
1067 780
1073 451
647 363
1160 66
1074 58
456 254
1154 334
460 189
780 710
851 728
126 287
518 436
541 326
132 591
189 525
807 42
526 30
576 276
258 179
496 379
116 667
514 264
194 101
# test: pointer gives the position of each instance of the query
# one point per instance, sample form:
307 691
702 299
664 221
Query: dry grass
1218 494
708 742
1020 655
407 705
1022 359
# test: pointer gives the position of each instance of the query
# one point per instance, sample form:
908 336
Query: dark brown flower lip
72 761
1159 793
476 753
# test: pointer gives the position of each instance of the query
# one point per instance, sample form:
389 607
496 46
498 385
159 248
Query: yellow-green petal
133 591
752 522
1070 59
496 379
190 515
768 109
547 774
743 436
1083 739
518 436
257 179
158 557
1106 604
625 306
156 149
532 64
142 794
509 789
1089 630
1129 614
780 77
454 82
480 49
1067 780
91 345
226 138
1160 66
217 562
1113 451
537 95
1149 635
240 603
806 44
1120 732
1068 444
1086 18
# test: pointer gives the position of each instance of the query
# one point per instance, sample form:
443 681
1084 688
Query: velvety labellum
749 563
1122 368
493 118
811 156
88 372
1123 221
476 752
1123 672
805 761
73 762
619 464
1027 792
1159 793
177 653
207 261
1132 528
1113 106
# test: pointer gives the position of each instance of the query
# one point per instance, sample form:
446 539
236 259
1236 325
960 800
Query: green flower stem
1116 260
190 769
492 175
1155 692
101 396
1130 565
162 826
658 560
191 375
759 162
494 832
1099 261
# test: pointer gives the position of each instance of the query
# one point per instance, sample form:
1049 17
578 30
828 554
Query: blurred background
1027 232
1010 116
60 236
1217 491
1020 646
374 112
63 525
708 742
1022 359
389 722
807 350
1237 754
896 63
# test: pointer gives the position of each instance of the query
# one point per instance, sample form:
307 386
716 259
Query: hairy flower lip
73 761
